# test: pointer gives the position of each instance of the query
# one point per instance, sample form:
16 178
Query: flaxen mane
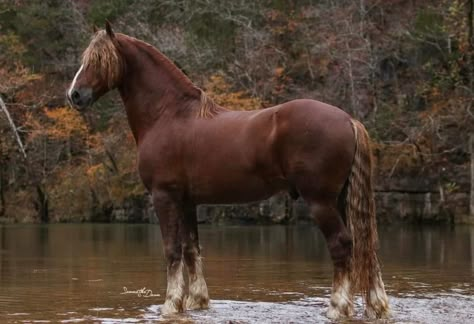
208 108
102 56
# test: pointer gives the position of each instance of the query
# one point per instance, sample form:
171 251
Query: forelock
103 57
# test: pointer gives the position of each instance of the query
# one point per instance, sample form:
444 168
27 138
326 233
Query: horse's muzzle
80 98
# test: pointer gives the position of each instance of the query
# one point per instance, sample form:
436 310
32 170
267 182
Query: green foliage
101 10
286 5
429 22
11 46
204 26
209 26
441 47
381 126
45 27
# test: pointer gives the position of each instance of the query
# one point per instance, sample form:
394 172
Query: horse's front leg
170 214
198 297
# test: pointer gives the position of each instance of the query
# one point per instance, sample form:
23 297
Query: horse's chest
158 166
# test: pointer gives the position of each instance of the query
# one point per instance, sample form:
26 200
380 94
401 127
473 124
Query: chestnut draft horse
192 151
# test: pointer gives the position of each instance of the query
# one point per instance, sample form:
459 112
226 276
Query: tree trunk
42 204
470 33
2 190
471 205
3 108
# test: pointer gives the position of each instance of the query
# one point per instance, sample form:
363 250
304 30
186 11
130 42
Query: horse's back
315 111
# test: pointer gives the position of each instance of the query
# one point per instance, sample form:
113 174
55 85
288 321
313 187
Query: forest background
403 67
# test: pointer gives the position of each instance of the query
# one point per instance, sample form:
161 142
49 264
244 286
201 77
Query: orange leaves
65 121
94 171
13 78
273 15
13 73
396 157
284 22
279 71
220 91
217 85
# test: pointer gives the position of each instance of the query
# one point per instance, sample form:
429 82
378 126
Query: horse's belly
232 189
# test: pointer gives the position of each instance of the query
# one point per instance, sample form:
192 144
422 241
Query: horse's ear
95 29
108 29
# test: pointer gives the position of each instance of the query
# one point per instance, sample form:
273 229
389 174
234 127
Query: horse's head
101 70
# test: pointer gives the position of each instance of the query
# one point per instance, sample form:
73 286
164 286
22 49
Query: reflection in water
255 274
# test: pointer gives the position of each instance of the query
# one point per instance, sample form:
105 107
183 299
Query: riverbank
392 208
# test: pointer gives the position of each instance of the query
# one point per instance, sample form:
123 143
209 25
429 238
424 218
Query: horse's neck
154 90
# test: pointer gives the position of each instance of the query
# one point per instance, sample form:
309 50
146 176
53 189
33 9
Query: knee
190 253
172 253
190 249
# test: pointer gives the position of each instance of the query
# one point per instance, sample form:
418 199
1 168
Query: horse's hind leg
376 299
170 215
339 243
198 297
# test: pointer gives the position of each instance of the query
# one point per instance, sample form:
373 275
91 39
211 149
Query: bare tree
3 107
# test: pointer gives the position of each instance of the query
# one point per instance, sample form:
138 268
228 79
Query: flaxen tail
360 214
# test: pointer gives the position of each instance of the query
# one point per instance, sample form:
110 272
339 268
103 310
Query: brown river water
75 273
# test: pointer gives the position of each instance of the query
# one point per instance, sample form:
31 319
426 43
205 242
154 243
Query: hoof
377 303
380 311
196 302
341 305
171 307
336 313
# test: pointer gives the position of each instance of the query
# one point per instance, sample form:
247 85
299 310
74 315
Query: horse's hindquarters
316 147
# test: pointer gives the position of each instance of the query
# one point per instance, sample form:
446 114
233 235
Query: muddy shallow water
115 273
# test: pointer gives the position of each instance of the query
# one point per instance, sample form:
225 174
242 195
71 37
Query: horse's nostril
75 96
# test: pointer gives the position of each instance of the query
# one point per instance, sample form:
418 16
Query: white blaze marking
74 80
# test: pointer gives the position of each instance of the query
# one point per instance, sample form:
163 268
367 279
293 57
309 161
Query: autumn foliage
405 68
